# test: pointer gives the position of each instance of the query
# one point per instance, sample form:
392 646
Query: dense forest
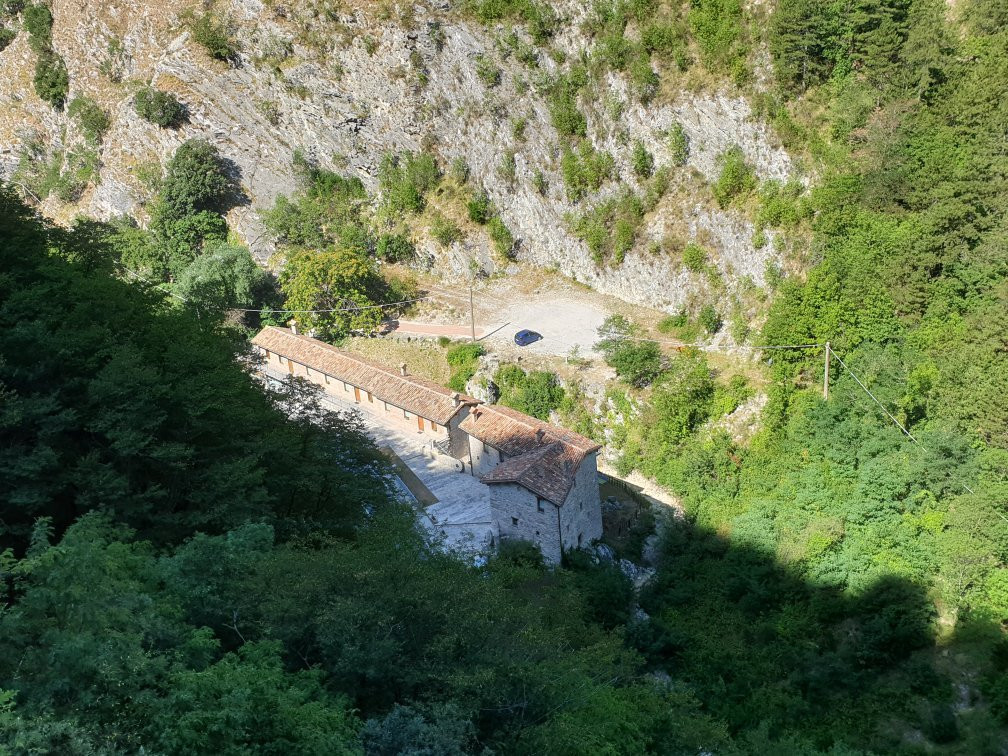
193 564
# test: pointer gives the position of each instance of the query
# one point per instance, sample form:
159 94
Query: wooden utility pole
825 379
472 313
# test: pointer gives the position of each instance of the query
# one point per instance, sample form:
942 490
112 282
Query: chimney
455 399
402 368
293 326
539 435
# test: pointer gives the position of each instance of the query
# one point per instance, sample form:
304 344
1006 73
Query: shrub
537 393
6 37
584 170
94 121
694 257
567 119
480 207
678 144
710 319
508 166
52 82
394 248
670 323
500 235
405 179
444 230
644 79
638 363
518 126
487 71
539 183
37 21
759 239
160 108
643 161
736 177
215 37
718 28
464 360
460 171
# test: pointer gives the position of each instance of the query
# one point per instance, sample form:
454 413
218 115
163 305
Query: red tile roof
418 395
539 456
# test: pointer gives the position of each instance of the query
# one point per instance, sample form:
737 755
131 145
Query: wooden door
419 422
356 394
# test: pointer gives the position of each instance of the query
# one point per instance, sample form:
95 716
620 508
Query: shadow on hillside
767 651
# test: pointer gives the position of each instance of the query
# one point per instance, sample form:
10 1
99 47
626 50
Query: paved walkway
461 514
412 328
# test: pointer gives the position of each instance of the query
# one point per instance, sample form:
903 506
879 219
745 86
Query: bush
710 319
501 236
94 121
460 171
508 166
584 170
37 21
405 179
643 161
215 37
6 37
678 144
694 257
160 108
718 28
537 393
395 248
464 360
480 207
539 183
444 230
487 71
644 79
567 119
52 82
671 323
736 177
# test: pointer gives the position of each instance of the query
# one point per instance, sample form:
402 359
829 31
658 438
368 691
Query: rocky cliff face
348 84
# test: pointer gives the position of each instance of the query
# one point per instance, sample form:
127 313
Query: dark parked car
525 337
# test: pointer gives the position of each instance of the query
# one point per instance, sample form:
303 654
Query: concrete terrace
461 516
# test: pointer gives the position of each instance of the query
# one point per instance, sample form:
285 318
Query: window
539 504
579 540
514 520
327 380
369 397
580 505
405 414
433 427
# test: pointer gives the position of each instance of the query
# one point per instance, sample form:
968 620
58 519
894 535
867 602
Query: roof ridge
422 382
563 435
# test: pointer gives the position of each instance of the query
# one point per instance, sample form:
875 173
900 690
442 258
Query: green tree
161 108
225 276
342 281
188 210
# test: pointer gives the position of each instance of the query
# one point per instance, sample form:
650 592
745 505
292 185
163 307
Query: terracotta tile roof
418 395
542 458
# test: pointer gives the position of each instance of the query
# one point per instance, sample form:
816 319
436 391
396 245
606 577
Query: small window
405 414
539 504
579 540
267 353
433 427
580 505
327 380
369 398
514 520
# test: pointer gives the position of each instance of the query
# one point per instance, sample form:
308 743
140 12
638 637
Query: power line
899 425
335 309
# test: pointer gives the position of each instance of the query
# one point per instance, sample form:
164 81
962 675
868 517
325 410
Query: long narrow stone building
542 480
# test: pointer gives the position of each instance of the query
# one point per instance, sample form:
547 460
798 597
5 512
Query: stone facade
389 413
541 480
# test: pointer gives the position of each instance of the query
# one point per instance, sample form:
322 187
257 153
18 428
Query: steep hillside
347 84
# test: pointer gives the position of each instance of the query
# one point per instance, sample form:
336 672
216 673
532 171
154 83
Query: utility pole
472 313
825 379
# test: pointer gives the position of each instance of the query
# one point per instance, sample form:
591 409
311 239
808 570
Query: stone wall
520 514
581 514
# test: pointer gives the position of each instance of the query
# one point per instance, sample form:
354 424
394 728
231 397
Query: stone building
542 480
391 396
